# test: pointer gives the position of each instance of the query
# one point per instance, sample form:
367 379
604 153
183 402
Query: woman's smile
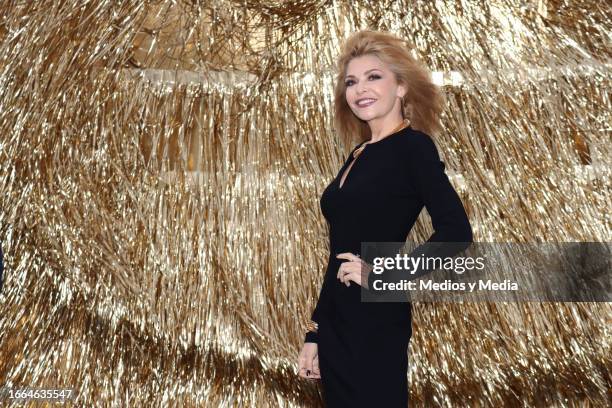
365 102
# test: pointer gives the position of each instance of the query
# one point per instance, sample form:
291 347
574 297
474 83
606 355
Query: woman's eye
350 81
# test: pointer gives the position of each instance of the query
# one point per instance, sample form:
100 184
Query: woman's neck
389 127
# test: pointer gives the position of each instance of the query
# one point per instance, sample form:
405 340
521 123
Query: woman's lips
370 103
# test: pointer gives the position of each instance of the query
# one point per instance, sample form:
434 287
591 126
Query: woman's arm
321 309
448 216
425 175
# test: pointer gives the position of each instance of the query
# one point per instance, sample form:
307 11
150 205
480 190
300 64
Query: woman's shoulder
417 138
417 146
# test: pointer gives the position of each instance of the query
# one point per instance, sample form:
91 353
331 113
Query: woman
382 94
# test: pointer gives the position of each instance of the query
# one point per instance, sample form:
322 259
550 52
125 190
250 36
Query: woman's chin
364 117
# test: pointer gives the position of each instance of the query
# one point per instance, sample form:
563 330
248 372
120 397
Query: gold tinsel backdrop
161 167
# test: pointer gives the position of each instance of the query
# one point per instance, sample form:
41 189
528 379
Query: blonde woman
385 101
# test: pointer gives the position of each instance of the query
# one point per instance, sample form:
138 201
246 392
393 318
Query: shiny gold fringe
160 175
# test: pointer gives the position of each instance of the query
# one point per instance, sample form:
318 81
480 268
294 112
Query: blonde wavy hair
423 103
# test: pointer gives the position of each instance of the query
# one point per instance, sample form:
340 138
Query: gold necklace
405 123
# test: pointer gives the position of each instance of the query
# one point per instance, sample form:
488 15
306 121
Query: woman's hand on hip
356 270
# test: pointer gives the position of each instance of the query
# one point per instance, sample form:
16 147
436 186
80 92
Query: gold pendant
357 152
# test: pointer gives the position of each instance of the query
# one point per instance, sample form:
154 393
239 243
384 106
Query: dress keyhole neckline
405 123
344 176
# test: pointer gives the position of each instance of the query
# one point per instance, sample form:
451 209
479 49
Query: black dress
363 346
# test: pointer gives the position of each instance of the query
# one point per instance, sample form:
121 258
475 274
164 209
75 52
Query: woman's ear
401 91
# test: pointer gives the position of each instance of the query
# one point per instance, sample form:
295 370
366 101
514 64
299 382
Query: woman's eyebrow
365 73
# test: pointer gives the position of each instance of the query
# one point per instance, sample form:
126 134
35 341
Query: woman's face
371 89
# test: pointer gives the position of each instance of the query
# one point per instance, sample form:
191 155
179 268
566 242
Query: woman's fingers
308 364
352 270
342 270
302 364
347 269
347 255
304 372
343 273
315 373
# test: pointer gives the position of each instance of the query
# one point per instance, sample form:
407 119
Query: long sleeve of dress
448 216
320 310
426 177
